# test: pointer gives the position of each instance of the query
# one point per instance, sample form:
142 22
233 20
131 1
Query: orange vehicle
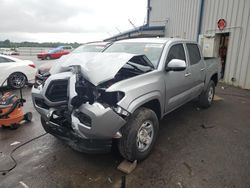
11 112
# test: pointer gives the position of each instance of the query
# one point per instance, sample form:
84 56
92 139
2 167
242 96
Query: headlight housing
111 98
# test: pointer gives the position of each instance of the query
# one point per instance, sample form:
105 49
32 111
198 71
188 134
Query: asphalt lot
195 148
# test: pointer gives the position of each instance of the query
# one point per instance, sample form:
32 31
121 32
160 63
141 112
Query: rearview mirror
176 65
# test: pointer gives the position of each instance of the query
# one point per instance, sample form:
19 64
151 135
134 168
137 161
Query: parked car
43 71
9 52
15 73
92 99
55 53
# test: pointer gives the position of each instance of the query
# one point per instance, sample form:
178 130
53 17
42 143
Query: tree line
8 44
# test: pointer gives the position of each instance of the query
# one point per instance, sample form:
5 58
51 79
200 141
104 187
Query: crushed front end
83 115
76 103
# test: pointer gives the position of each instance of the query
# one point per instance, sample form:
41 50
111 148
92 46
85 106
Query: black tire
206 98
128 144
48 57
28 117
17 80
14 126
4 127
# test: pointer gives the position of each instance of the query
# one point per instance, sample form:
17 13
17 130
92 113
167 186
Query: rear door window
194 54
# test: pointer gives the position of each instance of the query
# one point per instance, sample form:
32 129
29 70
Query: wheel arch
155 106
214 77
150 100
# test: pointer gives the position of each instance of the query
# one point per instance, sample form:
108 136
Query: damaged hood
95 67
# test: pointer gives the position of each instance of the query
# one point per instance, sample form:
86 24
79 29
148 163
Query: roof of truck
152 40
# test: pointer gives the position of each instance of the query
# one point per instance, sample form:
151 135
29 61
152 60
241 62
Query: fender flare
143 99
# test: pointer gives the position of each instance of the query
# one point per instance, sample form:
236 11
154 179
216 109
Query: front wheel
206 98
139 135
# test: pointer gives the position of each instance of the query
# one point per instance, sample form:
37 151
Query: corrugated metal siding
179 16
181 20
237 15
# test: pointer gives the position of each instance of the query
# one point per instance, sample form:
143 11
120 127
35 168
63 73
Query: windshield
151 50
55 50
89 48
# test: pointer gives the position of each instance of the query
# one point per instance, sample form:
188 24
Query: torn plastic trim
105 121
121 111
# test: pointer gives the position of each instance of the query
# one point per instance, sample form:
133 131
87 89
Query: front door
177 82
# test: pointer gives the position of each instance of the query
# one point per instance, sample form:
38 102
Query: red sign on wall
221 24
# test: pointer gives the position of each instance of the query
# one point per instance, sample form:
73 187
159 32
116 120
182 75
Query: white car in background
15 73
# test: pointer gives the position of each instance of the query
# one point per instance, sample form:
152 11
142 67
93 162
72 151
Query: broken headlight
111 98
121 111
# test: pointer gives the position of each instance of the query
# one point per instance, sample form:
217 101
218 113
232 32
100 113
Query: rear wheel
206 98
17 80
28 117
48 57
139 135
14 126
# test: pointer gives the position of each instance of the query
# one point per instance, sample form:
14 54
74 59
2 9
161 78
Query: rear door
177 82
197 68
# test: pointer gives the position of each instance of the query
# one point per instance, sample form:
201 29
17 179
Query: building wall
181 20
237 16
179 16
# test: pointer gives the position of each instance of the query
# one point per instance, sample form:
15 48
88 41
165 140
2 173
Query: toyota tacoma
93 100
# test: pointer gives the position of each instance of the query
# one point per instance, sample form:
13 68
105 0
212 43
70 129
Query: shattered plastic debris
190 171
179 184
110 180
15 143
207 126
23 184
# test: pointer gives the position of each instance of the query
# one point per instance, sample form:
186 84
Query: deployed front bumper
76 142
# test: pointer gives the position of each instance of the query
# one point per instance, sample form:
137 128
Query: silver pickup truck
93 100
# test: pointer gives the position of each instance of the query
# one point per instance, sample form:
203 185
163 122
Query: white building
198 20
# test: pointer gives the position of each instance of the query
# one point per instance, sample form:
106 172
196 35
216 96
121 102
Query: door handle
202 69
187 74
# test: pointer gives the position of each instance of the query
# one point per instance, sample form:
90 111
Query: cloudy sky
68 20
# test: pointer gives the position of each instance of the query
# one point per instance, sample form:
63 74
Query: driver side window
176 52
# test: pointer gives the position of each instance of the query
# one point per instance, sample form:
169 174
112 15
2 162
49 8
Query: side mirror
176 65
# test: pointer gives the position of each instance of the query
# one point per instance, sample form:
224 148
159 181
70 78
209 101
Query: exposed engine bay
87 92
